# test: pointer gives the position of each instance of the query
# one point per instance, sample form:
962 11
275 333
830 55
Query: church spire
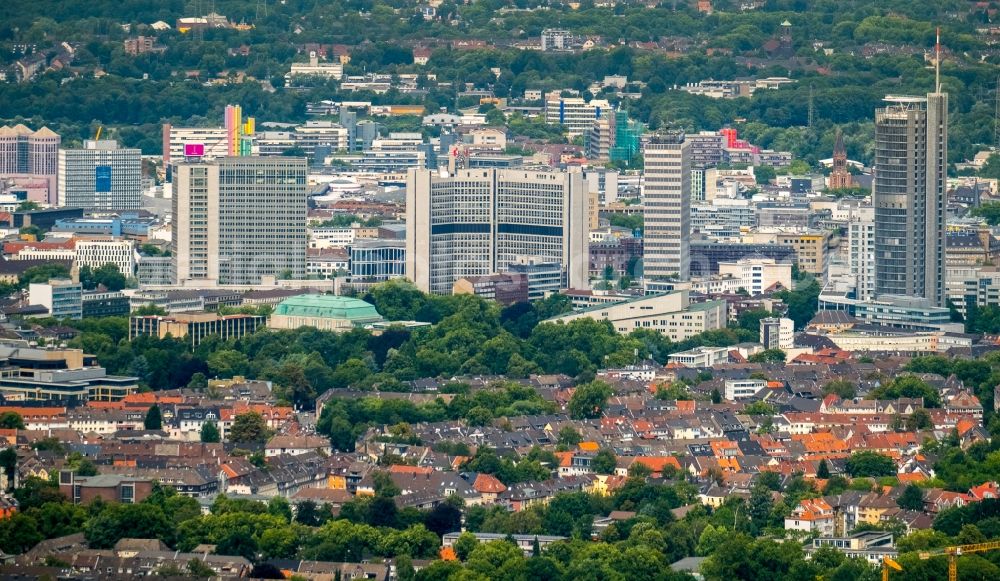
840 177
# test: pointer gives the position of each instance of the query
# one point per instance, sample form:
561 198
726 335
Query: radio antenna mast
937 62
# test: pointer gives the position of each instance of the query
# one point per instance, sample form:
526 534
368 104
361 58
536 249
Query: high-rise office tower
911 161
27 155
480 221
667 206
101 176
238 219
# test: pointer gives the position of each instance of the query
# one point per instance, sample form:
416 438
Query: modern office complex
574 113
195 327
542 277
479 222
672 314
238 219
55 374
911 156
28 156
154 270
377 260
209 141
96 252
667 206
707 254
101 176
756 275
62 297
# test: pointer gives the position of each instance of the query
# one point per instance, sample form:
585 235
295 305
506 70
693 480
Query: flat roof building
62 297
195 327
479 222
47 374
101 176
239 219
667 207
670 313
911 168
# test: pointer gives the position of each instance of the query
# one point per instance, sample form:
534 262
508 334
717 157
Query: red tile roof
488 484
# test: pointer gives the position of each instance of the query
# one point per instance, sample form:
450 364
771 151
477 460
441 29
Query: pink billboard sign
194 150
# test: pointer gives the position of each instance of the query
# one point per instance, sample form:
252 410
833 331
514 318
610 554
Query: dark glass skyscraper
911 161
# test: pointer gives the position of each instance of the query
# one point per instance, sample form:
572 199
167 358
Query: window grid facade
667 206
238 219
481 221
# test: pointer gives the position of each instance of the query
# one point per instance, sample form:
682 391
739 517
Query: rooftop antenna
812 109
937 62
996 117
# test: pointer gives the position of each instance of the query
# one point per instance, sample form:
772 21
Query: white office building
315 68
238 219
777 333
757 274
101 176
603 181
62 297
574 113
96 252
743 388
670 313
667 206
700 357
397 153
210 142
331 237
321 134
480 221
861 252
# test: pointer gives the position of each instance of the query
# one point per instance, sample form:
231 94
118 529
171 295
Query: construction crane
954 552
888 564
97 137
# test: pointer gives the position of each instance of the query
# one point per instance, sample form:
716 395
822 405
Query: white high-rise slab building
480 221
666 196
861 252
101 176
238 219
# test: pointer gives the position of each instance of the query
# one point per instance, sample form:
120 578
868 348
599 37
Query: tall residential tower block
911 164
666 193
